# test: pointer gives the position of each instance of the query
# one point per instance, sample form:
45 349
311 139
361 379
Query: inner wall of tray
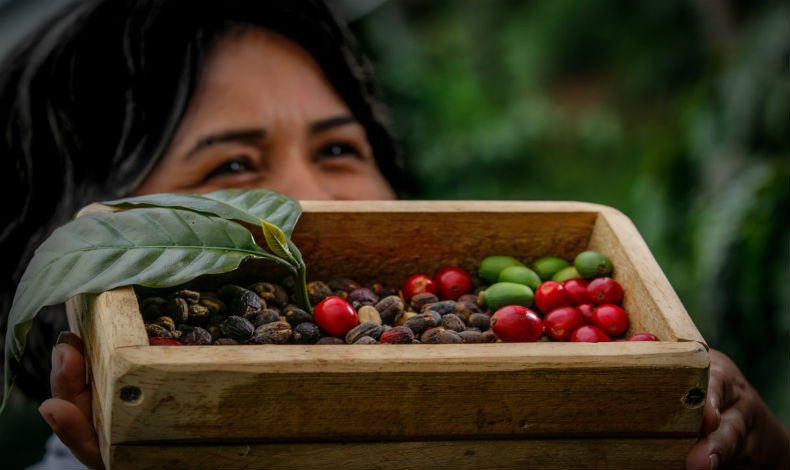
390 246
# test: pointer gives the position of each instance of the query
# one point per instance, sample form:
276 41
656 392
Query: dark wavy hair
93 98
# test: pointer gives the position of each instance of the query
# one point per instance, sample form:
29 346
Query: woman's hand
738 429
69 411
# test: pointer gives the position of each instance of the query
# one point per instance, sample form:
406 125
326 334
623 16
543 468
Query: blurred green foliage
675 112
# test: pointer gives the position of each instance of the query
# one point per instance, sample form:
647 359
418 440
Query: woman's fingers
74 429
69 411
67 378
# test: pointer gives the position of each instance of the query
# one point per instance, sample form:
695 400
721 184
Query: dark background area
675 112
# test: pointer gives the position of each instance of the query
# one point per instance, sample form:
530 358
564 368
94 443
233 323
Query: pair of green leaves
158 240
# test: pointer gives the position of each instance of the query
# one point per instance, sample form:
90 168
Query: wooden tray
518 405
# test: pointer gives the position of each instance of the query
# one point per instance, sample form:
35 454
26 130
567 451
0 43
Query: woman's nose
296 176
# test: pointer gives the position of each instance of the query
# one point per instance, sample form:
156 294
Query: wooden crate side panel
648 294
390 246
312 398
600 453
106 322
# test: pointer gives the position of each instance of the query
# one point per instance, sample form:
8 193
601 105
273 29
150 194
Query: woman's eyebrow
233 135
334 121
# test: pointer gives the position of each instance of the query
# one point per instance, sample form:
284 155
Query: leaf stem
302 298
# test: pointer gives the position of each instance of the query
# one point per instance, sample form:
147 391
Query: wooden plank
648 295
409 391
599 453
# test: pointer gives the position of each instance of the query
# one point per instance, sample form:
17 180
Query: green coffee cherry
591 264
548 266
520 275
568 272
491 266
507 293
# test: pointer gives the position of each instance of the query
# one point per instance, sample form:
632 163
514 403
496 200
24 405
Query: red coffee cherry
644 337
335 316
604 290
589 334
161 341
576 290
452 282
586 310
417 284
610 318
561 322
514 323
551 295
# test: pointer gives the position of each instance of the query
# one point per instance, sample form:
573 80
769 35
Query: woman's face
265 116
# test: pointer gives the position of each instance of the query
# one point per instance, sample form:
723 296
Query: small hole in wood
131 394
694 398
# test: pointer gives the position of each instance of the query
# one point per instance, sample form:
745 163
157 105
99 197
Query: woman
132 97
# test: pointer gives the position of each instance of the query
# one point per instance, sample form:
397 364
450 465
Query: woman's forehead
260 71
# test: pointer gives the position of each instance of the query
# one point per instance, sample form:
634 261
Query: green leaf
246 205
278 242
156 247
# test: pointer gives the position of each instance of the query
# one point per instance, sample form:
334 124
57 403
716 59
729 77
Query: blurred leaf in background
675 112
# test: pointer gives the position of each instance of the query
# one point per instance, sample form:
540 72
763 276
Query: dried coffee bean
153 308
480 320
192 297
390 307
272 294
343 284
267 315
157 330
421 322
368 313
397 335
370 328
437 318
471 336
400 320
278 332
197 336
214 331
453 322
421 300
469 298
178 309
242 301
237 328
224 341
365 340
489 337
340 293
215 306
167 322
381 290
199 315
318 291
306 333
361 297
330 340
440 335
443 307
295 315
216 319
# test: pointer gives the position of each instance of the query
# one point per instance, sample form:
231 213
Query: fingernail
48 418
67 337
714 461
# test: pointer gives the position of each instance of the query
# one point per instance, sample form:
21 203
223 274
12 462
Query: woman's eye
336 149
234 166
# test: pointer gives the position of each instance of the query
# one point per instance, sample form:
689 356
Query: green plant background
676 112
